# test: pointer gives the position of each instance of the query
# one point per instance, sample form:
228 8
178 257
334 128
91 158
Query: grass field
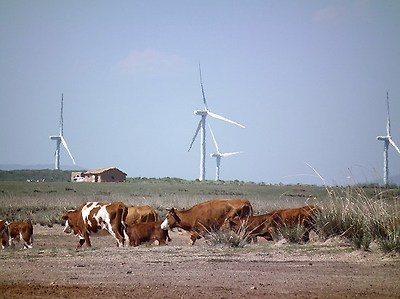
362 214
43 201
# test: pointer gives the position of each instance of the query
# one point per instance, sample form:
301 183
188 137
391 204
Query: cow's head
70 218
172 220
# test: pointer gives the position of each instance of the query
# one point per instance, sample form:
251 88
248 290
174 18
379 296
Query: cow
251 227
16 231
146 232
139 214
304 216
207 216
94 217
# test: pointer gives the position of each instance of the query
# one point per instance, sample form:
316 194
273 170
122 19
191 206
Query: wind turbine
218 155
202 128
386 141
60 138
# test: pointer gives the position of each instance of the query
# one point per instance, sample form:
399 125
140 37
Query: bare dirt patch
54 269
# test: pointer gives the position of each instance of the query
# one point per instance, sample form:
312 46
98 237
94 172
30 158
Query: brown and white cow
16 231
94 217
139 214
207 216
303 216
146 232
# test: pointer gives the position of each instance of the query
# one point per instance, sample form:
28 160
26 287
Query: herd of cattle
141 224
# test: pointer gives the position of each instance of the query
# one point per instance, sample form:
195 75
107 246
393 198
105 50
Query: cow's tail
28 243
121 216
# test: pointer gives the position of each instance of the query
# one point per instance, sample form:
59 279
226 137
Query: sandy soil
331 269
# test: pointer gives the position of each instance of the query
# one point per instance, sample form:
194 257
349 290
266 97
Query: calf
304 216
138 214
16 231
147 232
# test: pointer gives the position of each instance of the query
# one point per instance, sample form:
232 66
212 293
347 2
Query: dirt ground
330 269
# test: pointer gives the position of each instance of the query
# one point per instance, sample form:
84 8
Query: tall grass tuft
291 233
228 237
361 218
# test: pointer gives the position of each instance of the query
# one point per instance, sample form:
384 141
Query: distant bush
46 175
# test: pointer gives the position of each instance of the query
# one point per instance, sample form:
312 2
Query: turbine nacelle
200 112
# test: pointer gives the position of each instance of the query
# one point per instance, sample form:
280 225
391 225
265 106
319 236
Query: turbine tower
60 139
218 155
386 141
202 128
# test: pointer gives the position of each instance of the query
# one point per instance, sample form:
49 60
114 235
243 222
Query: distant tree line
45 175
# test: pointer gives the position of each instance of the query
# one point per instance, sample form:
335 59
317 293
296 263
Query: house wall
113 175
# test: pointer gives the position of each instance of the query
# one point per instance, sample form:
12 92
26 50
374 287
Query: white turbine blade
213 137
61 116
202 89
394 144
66 147
195 135
224 119
388 115
230 154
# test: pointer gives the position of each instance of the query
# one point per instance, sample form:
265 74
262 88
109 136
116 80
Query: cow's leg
87 240
306 236
80 243
194 236
11 242
27 237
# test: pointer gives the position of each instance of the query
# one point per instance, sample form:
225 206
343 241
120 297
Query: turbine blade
224 119
202 89
388 115
230 154
394 144
61 116
195 135
64 143
213 137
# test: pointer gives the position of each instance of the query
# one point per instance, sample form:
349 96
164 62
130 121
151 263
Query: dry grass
360 214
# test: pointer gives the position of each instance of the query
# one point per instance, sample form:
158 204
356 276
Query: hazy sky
308 79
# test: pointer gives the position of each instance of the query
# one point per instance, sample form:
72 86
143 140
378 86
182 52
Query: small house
109 174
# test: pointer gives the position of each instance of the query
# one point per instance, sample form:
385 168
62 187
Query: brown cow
206 216
16 231
146 232
304 216
93 217
139 214
252 227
